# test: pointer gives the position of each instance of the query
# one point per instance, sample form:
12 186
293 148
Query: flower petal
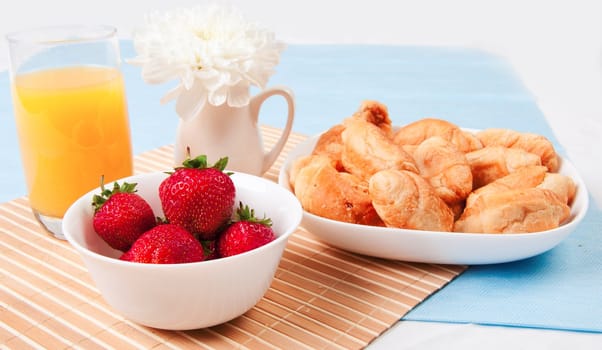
214 52
239 95
190 102
156 72
172 94
218 97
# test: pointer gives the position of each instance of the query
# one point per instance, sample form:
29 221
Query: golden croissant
420 130
514 211
563 186
493 162
377 114
330 143
366 150
445 168
525 177
532 143
326 192
432 175
403 199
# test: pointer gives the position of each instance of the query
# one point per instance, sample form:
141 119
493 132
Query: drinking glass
71 114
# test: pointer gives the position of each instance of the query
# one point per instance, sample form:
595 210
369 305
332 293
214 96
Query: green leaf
244 213
98 200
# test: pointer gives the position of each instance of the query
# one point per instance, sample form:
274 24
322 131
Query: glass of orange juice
71 114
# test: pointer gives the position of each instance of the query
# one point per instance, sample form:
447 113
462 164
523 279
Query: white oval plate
433 246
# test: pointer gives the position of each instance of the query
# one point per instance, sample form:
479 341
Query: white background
554 46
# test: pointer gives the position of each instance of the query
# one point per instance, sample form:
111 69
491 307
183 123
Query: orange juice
73 127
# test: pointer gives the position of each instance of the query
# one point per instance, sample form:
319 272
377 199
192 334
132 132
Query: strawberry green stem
244 213
200 162
99 199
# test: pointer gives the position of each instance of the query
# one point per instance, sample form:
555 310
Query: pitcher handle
270 157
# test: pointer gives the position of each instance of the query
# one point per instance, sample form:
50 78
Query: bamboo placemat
321 297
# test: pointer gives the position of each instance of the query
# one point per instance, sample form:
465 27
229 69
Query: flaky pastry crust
367 150
326 192
404 199
493 162
515 211
532 143
420 130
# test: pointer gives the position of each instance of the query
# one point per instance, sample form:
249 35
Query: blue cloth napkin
560 289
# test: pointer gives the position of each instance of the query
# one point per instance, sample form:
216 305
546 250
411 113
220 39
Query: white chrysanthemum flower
213 51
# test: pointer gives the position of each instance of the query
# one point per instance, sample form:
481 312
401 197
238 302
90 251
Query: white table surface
555 47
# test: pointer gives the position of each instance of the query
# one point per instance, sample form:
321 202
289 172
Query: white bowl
194 295
432 246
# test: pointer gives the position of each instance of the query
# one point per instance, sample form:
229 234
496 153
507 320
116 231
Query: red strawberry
121 215
197 197
165 244
245 233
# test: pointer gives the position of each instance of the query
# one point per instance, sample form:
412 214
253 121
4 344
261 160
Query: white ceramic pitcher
225 131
